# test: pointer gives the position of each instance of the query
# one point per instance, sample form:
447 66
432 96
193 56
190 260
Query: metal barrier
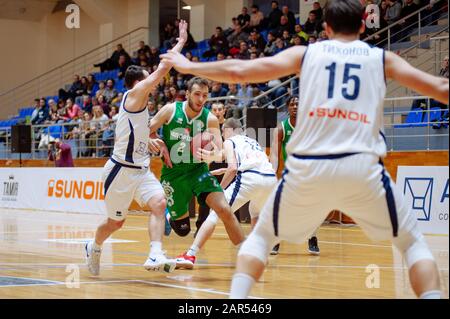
96 138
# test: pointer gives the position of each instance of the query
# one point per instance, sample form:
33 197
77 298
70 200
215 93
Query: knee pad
182 227
414 251
213 218
258 244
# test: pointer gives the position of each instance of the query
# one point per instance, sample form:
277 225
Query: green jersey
178 133
188 177
287 132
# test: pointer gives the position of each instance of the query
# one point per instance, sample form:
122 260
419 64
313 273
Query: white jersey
132 136
341 100
250 155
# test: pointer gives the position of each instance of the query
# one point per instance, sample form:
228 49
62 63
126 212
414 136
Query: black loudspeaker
258 119
21 139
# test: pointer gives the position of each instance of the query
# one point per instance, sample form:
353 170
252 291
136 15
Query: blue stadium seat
57 131
414 119
435 114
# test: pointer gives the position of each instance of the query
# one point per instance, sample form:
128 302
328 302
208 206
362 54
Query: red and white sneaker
185 262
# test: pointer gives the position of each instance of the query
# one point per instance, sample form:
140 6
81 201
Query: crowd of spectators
90 107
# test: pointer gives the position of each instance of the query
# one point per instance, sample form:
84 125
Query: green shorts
181 184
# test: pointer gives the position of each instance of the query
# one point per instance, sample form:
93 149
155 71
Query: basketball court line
154 283
225 265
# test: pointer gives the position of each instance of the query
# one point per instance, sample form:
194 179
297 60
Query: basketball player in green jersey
183 175
282 134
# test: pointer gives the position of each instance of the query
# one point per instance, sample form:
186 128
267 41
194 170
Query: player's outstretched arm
429 85
283 64
275 149
138 96
232 167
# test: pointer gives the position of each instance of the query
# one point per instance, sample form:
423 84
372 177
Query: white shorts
123 184
358 185
250 186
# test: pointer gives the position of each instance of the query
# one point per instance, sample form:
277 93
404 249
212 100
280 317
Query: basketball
201 141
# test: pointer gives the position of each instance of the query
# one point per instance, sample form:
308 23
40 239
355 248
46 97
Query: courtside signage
426 190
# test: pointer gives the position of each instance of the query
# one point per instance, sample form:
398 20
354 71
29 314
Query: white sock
155 248
432 294
193 250
96 247
241 286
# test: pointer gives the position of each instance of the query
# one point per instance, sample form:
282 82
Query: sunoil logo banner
79 190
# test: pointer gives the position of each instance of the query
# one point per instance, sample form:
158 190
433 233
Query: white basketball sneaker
160 262
93 258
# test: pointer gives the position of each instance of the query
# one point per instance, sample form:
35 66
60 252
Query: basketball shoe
275 250
93 258
185 262
313 246
159 262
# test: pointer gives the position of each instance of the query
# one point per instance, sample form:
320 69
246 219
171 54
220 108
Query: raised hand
183 31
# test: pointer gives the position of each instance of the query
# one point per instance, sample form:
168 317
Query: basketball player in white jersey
336 151
248 177
126 175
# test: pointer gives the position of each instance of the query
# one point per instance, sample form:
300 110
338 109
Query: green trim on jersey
287 133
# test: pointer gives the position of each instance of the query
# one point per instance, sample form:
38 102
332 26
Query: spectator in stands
244 53
63 116
53 112
61 153
312 25
218 44
256 18
270 46
274 16
72 109
151 107
113 62
322 36
230 30
36 109
124 64
444 70
317 9
217 90
92 84
110 92
104 105
296 40
245 95
235 40
279 46
116 101
168 97
153 58
286 37
101 89
283 26
244 20
74 88
108 133
231 103
408 24
393 11
42 113
85 132
86 104
143 48
256 40
302 34
168 36
312 39
291 18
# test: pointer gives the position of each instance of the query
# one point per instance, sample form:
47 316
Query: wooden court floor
41 256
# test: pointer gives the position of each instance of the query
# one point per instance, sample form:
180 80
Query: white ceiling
31 10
